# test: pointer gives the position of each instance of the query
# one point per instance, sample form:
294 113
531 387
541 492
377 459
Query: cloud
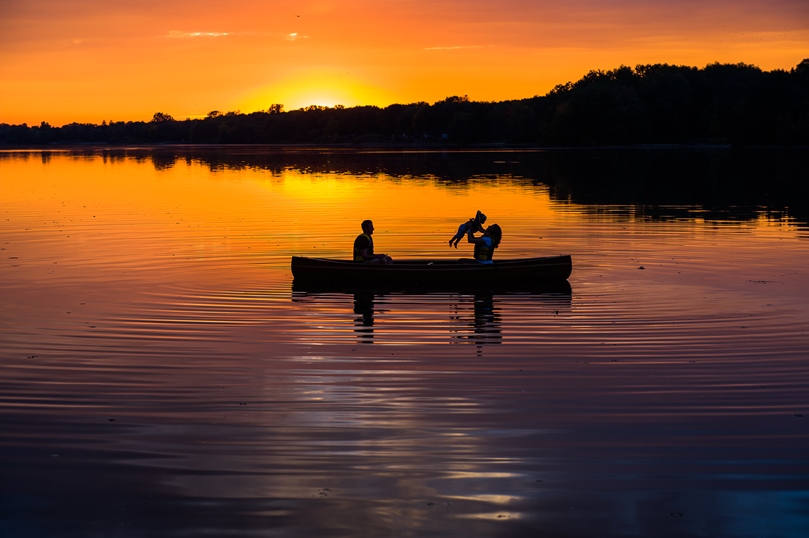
181 34
456 47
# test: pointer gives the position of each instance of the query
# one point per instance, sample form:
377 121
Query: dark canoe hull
432 272
539 288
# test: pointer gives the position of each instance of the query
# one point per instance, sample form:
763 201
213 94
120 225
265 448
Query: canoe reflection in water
364 308
428 315
485 327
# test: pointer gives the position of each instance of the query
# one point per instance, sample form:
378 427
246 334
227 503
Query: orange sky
92 60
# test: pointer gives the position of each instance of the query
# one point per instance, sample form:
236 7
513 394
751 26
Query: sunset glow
88 60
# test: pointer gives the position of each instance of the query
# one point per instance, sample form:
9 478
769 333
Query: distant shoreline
387 147
426 148
660 106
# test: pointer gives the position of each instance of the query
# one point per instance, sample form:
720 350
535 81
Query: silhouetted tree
160 117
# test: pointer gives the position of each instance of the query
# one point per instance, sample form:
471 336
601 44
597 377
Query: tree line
651 104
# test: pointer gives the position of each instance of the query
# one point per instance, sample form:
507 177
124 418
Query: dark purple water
159 376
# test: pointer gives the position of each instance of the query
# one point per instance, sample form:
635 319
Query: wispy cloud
456 47
179 34
184 35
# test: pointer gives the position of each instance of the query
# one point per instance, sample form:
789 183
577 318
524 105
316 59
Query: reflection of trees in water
725 184
163 161
650 184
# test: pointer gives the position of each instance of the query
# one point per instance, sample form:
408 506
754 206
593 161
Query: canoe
432 272
540 288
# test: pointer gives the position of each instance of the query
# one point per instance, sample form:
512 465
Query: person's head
368 226
495 233
481 217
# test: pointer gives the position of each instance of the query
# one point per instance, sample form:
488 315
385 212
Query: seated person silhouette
364 246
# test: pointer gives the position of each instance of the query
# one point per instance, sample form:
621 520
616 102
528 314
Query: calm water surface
160 375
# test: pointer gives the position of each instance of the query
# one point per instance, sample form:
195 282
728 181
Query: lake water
159 375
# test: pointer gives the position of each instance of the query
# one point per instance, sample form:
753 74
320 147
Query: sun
317 96
321 89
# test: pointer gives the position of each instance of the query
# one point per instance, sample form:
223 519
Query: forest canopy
651 104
